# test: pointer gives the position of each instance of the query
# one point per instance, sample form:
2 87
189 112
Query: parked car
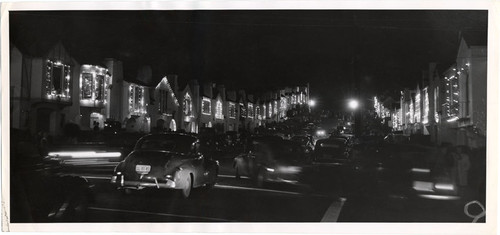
271 159
39 192
166 161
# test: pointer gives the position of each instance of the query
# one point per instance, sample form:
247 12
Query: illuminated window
250 110
425 118
257 112
187 105
275 108
264 114
243 111
206 106
136 99
93 83
282 107
232 110
294 99
57 80
163 94
218 110
412 114
270 110
417 107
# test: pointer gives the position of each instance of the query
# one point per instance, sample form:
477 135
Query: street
239 200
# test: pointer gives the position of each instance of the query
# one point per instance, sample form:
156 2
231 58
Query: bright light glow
420 170
206 106
423 186
353 104
312 103
289 169
449 187
439 197
218 110
452 119
85 154
320 132
269 169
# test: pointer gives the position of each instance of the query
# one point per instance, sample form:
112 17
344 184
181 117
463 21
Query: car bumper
146 182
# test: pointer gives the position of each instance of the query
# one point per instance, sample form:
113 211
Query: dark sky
333 50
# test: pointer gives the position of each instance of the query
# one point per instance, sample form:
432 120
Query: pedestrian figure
463 165
96 126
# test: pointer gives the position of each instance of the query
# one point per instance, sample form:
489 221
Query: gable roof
165 84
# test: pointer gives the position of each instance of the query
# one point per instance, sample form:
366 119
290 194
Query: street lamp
353 104
312 103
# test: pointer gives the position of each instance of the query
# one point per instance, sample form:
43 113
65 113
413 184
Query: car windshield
173 143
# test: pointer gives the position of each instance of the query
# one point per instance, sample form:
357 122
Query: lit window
275 108
206 106
243 111
270 110
426 107
163 96
218 110
136 99
232 110
57 80
250 110
188 105
257 112
93 82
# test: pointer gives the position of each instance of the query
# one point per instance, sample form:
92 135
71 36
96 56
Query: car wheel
261 178
186 191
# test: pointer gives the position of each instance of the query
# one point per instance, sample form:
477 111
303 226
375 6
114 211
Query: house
95 96
189 114
464 110
219 108
44 88
232 111
164 104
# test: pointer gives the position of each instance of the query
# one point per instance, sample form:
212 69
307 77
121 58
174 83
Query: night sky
375 52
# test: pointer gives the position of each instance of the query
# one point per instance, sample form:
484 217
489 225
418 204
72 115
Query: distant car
271 160
333 151
166 161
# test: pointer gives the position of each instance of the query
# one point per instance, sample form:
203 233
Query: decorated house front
164 105
95 83
44 89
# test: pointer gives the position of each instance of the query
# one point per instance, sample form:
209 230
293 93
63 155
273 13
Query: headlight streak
85 154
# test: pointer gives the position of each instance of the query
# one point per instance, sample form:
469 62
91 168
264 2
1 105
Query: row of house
49 90
447 106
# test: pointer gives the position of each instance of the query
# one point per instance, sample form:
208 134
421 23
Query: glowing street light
312 103
353 104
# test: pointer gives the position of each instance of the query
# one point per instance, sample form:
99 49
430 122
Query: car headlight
444 186
290 169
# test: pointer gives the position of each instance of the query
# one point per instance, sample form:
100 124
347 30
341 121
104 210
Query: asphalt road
239 200
230 200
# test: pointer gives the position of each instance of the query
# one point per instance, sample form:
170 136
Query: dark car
271 160
166 161
39 192
333 151
405 172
